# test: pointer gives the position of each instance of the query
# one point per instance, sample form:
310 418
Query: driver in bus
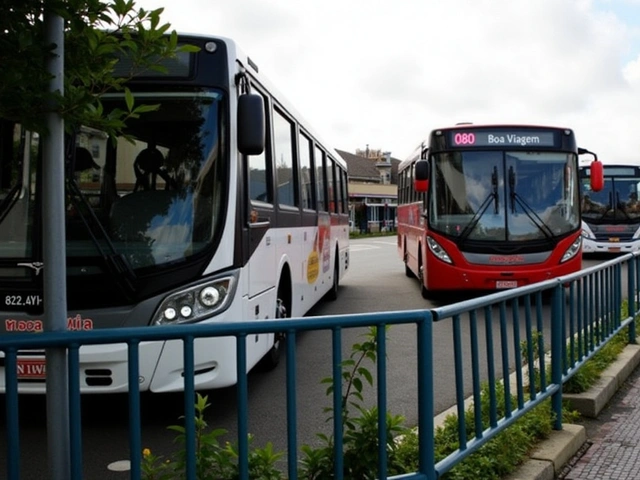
589 206
147 167
632 205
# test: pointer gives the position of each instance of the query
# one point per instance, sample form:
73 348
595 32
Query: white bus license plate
31 368
506 283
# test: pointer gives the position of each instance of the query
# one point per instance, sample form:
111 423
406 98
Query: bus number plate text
21 301
31 369
506 283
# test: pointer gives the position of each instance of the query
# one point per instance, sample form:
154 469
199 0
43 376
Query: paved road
376 282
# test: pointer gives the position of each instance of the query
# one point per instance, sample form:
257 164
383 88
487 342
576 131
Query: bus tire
332 294
407 271
426 294
272 358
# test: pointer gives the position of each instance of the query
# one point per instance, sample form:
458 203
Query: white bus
221 205
611 217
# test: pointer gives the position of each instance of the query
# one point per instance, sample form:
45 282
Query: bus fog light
186 311
170 313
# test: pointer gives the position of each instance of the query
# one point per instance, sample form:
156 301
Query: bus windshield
503 196
617 202
153 196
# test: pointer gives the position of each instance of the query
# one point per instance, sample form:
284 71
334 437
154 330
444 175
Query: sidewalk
605 445
612 451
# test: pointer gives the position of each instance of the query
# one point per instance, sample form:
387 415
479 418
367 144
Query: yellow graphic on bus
313 267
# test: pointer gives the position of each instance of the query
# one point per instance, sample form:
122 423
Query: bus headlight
573 250
438 251
586 232
196 303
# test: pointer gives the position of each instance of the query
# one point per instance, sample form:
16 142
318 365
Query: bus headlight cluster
586 232
195 303
573 250
438 251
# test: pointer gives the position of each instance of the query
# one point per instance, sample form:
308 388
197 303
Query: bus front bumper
590 246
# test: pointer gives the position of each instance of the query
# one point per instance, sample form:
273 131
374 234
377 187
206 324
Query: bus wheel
272 357
333 293
423 290
407 271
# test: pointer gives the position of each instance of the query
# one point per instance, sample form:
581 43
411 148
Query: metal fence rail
585 314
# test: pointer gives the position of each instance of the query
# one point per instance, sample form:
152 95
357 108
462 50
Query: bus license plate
20 301
31 369
506 283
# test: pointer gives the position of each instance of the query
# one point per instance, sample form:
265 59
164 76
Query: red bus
489 207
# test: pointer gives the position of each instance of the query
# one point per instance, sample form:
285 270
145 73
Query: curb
553 453
593 401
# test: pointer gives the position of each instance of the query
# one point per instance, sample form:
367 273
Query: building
373 190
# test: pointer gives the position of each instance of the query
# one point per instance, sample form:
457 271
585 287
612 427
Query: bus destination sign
471 138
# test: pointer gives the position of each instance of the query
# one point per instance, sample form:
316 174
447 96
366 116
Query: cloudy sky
384 73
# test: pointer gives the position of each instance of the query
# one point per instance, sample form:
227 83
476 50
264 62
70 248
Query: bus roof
236 52
415 154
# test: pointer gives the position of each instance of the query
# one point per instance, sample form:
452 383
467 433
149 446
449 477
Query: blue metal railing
512 352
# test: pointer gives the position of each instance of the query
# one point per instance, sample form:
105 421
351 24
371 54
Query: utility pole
54 258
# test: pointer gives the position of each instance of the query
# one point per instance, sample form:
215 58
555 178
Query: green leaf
128 96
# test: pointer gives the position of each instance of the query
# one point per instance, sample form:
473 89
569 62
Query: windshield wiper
483 207
494 185
9 201
117 265
621 207
526 208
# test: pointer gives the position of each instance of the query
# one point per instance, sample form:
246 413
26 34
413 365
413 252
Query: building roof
364 169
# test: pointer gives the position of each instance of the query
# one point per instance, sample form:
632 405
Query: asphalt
605 444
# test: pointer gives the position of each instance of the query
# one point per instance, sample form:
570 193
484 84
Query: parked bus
221 205
611 217
490 207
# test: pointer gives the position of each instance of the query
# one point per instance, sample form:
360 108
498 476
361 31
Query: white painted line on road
120 466
362 247
387 243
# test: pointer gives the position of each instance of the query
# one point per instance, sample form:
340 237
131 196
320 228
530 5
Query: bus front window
19 151
157 191
504 196
617 202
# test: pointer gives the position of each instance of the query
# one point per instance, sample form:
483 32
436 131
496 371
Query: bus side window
285 168
331 191
320 180
307 175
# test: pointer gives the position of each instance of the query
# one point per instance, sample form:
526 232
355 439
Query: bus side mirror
421 179
597 175
251 124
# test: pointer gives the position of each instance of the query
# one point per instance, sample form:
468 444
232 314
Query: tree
97 35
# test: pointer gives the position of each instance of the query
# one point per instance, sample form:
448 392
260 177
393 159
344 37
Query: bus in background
220 205
611 217
490 207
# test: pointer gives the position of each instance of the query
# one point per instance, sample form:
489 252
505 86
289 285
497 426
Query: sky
383 73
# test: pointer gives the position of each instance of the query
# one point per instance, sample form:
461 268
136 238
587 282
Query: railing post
631 296
426 444
557 329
